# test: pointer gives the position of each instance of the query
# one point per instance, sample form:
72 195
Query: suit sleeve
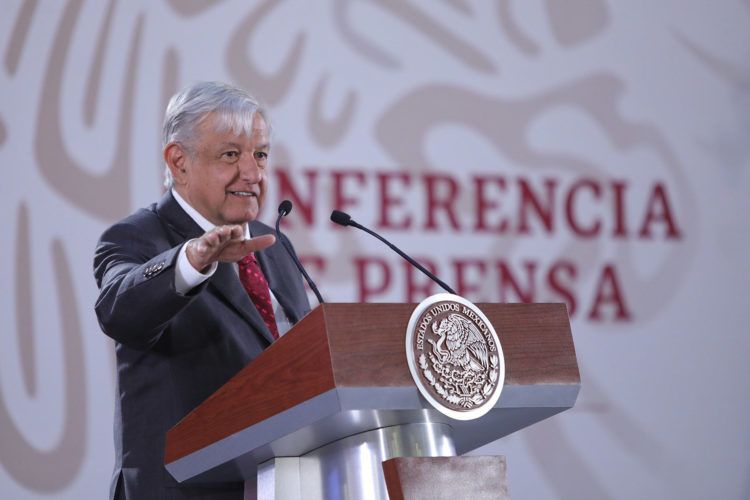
137 296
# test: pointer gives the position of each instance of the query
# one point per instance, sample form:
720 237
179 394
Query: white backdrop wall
588 152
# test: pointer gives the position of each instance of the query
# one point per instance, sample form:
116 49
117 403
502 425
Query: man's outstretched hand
224 244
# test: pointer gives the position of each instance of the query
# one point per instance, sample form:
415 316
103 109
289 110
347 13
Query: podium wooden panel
342 370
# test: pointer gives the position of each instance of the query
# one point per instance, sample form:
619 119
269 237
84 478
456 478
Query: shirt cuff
185 276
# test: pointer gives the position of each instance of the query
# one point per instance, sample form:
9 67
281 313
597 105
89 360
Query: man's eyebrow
228 144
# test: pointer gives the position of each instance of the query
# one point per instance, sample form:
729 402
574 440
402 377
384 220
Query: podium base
350 467
446 478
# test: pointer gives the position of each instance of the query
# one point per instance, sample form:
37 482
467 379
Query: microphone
284 208
344 219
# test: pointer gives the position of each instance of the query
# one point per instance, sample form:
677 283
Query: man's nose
249 170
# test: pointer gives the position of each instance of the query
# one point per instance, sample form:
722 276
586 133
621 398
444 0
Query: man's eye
232 155
261 155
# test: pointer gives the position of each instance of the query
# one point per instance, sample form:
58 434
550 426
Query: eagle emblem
455 356
465 346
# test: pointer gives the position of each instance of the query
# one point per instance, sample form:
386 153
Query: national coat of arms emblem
455 356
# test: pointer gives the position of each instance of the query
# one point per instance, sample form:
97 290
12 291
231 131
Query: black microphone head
285 207
341 218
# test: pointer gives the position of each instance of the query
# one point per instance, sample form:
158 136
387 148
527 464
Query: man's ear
174 158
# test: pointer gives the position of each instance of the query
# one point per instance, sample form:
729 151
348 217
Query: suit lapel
267 261
178 221
225 280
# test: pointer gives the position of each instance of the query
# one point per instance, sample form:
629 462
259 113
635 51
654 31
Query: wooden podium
318 412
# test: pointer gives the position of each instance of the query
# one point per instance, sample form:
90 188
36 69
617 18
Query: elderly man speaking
192 288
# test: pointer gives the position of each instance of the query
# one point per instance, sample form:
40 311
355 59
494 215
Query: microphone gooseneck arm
344 219
284 208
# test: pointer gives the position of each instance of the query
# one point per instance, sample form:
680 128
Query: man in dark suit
192 288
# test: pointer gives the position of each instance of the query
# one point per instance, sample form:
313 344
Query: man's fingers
237 250
225 244
215 237
237 232
221 235
210 239
224 233
260 242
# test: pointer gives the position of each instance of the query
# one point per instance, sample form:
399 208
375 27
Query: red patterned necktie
256 285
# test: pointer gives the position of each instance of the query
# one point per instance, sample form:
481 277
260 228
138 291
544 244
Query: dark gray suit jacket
173 350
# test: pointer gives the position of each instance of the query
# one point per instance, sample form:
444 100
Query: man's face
223 176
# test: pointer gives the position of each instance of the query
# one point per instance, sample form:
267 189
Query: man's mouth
243 194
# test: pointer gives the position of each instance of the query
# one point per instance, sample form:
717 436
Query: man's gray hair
186 109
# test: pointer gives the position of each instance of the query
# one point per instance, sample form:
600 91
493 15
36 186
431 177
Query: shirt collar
204 223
